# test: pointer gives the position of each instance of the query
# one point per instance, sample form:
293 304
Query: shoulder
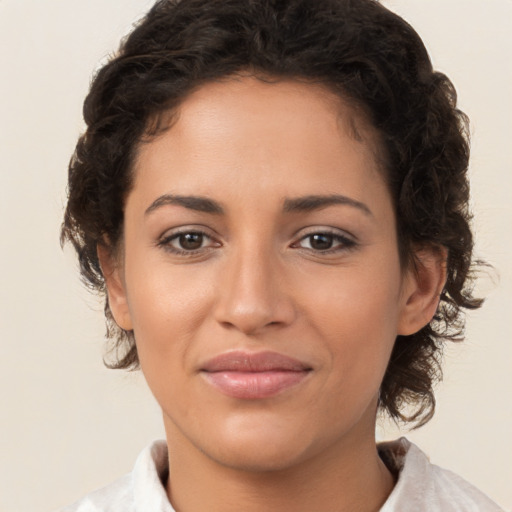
136 491
115 496
423 486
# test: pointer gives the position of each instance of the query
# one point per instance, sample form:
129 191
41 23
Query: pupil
191 241
321 242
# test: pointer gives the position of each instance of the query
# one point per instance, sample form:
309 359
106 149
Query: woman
273 197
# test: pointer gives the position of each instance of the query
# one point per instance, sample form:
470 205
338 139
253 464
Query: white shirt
421 486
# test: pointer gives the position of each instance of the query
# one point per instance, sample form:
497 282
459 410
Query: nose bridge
251 294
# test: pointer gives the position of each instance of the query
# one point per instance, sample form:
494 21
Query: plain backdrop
68 425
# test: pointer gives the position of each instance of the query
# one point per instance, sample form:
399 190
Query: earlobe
116 288
422 289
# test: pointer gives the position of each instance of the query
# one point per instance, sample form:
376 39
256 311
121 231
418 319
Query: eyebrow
197 203
317 202
291 205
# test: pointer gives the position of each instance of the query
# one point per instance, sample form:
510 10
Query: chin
259 446
260 457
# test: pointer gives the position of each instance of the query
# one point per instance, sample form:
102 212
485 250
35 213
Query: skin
258 281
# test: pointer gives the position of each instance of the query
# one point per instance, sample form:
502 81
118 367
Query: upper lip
240 361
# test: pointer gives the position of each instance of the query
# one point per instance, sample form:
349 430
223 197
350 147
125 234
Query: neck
349 477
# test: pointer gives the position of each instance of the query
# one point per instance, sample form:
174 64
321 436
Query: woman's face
261 274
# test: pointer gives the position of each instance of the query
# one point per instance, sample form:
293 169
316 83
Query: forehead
244 127
249 92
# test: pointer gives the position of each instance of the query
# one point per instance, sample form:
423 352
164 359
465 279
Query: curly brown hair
358 49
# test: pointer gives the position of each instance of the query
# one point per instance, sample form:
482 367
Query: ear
422 289
116 288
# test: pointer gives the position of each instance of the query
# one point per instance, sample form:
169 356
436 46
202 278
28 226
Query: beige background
67 425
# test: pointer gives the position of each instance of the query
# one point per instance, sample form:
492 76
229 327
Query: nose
252 294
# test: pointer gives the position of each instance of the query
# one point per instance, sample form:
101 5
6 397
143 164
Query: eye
318 241
325 242
187 242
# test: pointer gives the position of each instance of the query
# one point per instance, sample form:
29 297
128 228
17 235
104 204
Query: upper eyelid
193 228
313 230
342 239
177 234
298 235
166 242
170 235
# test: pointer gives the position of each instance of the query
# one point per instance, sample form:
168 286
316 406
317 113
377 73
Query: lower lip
254 385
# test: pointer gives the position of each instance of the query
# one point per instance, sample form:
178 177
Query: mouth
253 376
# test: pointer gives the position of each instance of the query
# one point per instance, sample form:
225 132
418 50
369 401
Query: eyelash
165 242
345 243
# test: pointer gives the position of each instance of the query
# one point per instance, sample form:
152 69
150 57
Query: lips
253 376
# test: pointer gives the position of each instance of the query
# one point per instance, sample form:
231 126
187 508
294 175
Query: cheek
360 298
356 317
167 305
